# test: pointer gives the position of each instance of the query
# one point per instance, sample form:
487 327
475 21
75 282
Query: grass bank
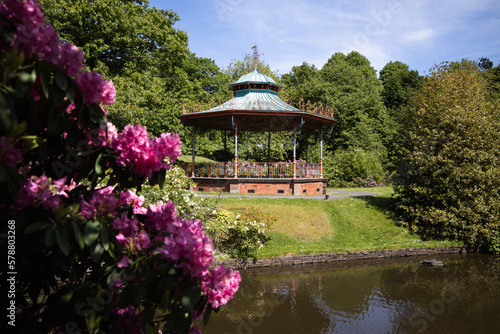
307 226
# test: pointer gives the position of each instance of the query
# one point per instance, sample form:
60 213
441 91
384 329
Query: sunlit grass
306 226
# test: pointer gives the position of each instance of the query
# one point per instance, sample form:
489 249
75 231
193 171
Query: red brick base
262 186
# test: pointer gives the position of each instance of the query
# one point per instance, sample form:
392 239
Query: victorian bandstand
256 107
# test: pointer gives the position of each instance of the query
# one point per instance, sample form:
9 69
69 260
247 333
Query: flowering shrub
90 254
176 188
238 236
369 181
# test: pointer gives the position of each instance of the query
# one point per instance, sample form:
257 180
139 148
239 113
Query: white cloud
419 36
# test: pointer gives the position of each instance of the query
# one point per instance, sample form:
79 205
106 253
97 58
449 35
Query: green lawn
306 226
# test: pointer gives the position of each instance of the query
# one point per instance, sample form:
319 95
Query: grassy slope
308 226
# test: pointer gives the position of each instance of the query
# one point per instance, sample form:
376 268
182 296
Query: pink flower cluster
221 286
188 247
35 37
9 155
94 88
129 237
41 191
131 198
146 156
105 137
102 203
160 217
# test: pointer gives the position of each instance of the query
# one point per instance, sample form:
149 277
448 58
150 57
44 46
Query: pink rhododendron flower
131 198
146 156
160 217
9 155
168 145
91 85
117 284
94 88
108 93
135 241
124 262
103 202
221 285
71 59
105 137
40 191
35 37
125 225
188 247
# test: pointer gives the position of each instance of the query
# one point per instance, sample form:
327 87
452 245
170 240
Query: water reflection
377 296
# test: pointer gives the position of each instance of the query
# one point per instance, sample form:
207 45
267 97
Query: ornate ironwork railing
253 169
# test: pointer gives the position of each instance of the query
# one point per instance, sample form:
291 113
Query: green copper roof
255 99
256 77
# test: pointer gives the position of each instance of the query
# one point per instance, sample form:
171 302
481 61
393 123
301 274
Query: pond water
375 296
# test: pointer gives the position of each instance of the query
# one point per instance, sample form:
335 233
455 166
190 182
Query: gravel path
336 194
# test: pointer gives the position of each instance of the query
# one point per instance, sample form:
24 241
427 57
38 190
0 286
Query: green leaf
32 143
61 80
192 295
18 129
70 93
96 251
78 234
15 59
58 95
50 238
104 236
63 242
91 232
61 212
165 298
206 315
100 164
33 228
44 74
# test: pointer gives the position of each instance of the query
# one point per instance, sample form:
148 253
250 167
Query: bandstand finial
255 56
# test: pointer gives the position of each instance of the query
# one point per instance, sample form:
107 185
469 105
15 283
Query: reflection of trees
438 298
398 295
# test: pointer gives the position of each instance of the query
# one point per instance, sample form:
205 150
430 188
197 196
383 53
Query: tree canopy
449 176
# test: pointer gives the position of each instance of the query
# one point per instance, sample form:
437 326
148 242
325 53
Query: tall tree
492 77
121 35
353 88
398 81
449 176
146 56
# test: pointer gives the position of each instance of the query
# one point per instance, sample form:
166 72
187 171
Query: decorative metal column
269 154
294 150
225 154
194 141
235 124
307 148
321 152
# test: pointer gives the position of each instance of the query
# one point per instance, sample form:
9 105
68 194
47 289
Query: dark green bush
448 183
345 168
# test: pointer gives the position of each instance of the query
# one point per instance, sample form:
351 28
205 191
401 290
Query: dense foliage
350 84
449 177
146 57
238 236
88 255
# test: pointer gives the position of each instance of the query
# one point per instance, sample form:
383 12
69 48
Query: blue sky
420 33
